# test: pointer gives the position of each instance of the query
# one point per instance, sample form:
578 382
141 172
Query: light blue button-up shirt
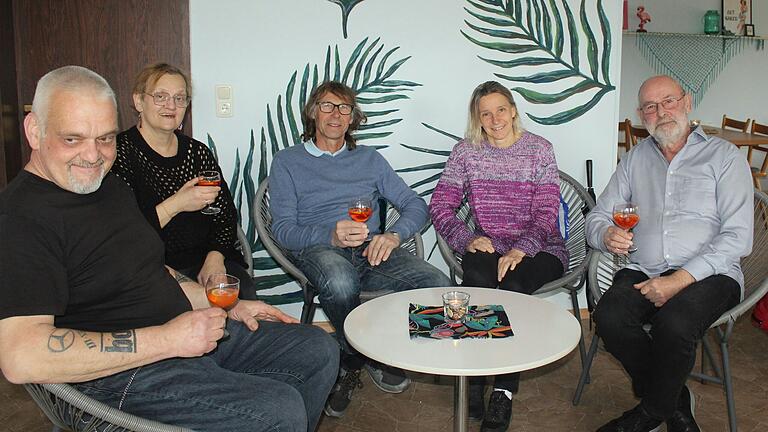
696 212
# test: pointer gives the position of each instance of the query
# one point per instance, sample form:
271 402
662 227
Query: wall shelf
672 35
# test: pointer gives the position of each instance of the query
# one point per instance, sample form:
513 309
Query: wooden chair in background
635 132
626 144
758 173
735 124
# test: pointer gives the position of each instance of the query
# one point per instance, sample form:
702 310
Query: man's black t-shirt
90 260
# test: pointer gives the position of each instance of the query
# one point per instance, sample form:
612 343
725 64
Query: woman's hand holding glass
192 197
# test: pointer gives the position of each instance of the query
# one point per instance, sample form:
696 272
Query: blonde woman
510 178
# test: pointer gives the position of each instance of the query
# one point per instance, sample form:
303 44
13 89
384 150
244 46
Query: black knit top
189 236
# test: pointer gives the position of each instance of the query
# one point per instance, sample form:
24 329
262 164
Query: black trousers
659 363
480 270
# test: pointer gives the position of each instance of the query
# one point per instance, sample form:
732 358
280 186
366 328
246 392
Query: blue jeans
340 274
659 363
274 379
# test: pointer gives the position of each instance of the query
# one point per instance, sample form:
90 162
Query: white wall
255 46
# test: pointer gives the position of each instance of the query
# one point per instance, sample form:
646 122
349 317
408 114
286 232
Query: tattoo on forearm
180 278
86 339
120 341
60 340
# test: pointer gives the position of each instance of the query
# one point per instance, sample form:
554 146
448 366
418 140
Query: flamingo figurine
644 16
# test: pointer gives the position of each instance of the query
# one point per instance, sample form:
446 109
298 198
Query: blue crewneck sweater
309 194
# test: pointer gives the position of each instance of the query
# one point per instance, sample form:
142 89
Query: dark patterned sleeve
125 167
223 234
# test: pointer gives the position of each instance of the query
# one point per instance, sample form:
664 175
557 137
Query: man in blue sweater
312 185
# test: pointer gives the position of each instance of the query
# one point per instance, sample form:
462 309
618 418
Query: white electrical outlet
224 106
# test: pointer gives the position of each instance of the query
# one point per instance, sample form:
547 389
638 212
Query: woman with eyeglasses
163 168
510 178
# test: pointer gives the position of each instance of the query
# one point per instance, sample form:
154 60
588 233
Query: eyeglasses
667 104
162 98
327 107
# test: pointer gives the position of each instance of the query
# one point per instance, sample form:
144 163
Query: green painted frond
533 96
571 113
525 61
422 167
592 55
445 153
441 132
371 114
346 8
212 146
381 124
544 77
605 27
512 29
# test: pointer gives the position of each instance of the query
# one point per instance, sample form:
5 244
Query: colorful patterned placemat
485 321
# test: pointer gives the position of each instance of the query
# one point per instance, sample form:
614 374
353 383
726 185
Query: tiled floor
543 404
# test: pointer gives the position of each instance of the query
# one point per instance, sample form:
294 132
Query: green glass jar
712 22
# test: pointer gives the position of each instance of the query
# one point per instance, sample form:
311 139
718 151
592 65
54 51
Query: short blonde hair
475 134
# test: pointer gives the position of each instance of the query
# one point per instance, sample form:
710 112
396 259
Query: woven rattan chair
245 248
263 217
604 265
579 203
70 410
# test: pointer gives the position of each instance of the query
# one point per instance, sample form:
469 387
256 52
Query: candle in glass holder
455 306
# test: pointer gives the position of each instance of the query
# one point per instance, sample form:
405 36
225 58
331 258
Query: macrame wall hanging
694 60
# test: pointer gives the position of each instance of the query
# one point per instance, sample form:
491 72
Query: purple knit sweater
514 194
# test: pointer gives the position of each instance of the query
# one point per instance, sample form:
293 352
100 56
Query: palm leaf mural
346 8
370 70
545 42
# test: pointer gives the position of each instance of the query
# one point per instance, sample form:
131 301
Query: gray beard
81 188
668 137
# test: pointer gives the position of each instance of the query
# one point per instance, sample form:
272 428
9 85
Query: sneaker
341 396
682 419
387 378
499 413
476 401
634 420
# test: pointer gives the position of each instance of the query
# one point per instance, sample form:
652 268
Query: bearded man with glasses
694 198
311 186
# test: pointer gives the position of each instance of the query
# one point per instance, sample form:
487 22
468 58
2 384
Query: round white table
544 332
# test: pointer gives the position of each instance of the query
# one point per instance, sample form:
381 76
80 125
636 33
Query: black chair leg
577 314
583 378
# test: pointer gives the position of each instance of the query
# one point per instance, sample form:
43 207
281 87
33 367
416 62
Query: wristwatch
395 233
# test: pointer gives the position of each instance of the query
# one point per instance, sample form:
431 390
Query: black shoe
682 419
634 420
499 413
339 400
387 378
476 401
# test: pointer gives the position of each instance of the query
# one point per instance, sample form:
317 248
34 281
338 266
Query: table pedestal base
461 404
